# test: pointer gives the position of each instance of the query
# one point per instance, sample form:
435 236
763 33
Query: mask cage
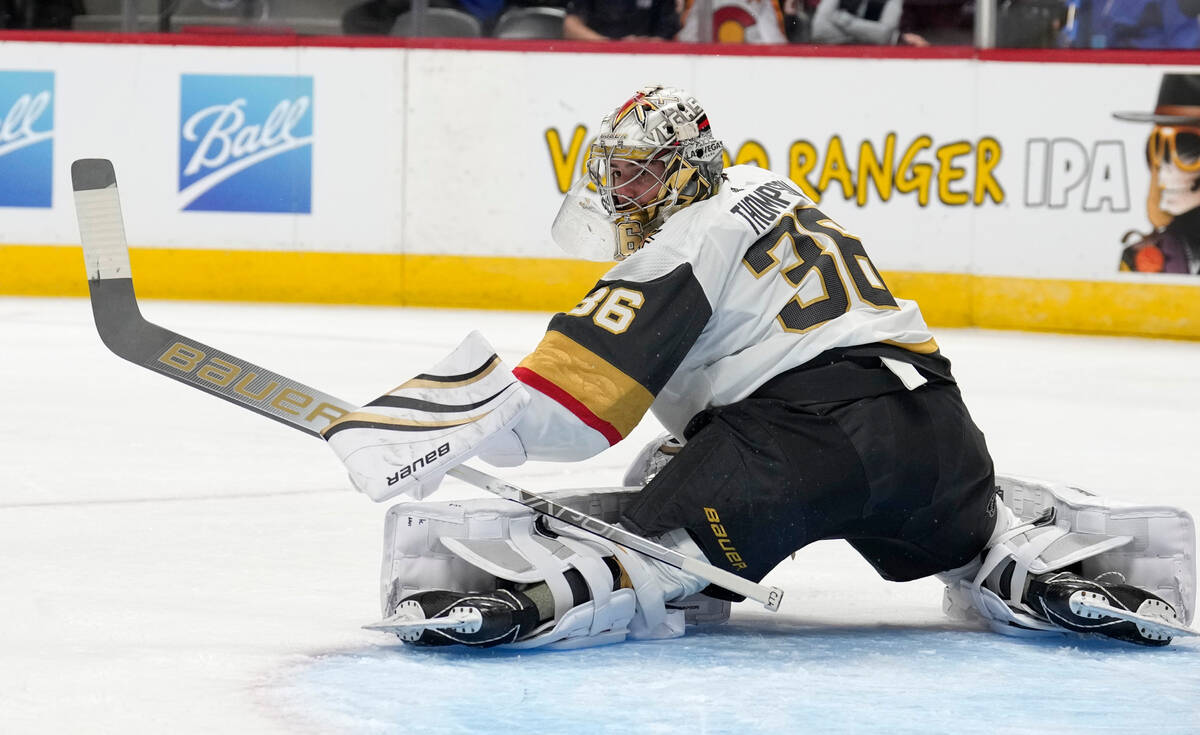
618 197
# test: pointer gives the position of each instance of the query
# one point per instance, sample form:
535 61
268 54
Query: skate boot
481 619
1110 608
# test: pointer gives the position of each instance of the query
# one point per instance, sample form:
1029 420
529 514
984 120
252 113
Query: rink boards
994 190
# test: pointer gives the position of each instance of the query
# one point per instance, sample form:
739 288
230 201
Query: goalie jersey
731 292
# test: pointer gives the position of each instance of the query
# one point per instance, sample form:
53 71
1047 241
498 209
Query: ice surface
169 562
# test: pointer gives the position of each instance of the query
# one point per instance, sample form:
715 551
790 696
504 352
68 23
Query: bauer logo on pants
26 138
245 143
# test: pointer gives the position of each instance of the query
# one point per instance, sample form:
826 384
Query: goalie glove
405 441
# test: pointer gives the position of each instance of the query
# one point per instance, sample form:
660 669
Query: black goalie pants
904 477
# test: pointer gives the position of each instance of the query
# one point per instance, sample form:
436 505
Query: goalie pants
904 475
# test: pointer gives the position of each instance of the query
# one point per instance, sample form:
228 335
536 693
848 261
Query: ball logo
26 138
245 143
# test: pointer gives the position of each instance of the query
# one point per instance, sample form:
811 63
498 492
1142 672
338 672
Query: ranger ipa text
956 173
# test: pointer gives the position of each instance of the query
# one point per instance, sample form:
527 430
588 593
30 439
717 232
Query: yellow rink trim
550 284
538 284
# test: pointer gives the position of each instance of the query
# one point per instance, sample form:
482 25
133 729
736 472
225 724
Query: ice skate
440 617
1109 608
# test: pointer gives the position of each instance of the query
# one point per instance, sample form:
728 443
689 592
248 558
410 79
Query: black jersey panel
644 329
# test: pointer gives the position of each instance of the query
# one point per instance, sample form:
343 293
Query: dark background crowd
1018 23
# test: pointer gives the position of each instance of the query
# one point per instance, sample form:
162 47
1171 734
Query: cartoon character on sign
1173 201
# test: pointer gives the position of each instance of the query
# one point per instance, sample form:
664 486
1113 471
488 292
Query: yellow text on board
957 174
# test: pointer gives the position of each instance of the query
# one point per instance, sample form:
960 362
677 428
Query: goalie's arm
549 432
605 361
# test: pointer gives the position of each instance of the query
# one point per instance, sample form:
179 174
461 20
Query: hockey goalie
803 401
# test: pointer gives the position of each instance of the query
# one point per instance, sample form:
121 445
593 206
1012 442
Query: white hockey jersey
731 292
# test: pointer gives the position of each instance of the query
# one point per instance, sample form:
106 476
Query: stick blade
101 228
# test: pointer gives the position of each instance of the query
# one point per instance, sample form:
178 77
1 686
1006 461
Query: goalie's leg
1075 562
485 573
509 613
1054 597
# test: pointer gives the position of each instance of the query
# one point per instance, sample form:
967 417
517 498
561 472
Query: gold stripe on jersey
605 390
928 347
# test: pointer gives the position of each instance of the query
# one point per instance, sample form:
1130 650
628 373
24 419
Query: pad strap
653 619
546 555
503 543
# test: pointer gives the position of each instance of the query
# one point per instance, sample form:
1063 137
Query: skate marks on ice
757 676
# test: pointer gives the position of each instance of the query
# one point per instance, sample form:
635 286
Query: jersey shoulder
756 198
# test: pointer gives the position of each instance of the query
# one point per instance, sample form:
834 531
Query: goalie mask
653 156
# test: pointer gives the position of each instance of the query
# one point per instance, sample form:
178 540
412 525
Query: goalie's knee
651 460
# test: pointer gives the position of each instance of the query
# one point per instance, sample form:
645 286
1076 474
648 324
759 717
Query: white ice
172 563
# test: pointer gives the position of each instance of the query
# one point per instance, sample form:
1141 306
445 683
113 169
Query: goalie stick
127 333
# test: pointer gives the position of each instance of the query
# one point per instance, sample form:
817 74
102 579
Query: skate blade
1154 619
409 621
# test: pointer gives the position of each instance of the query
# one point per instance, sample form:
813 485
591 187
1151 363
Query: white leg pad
1150 546
467 546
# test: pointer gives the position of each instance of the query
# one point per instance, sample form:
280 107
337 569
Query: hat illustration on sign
1178 102
1173 195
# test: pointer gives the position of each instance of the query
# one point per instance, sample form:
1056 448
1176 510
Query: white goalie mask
653 156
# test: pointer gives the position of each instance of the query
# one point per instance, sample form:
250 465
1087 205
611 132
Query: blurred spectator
376 17
1145 24
797 21
862 22
940 22
624 20
736 21
39 13
1029 23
